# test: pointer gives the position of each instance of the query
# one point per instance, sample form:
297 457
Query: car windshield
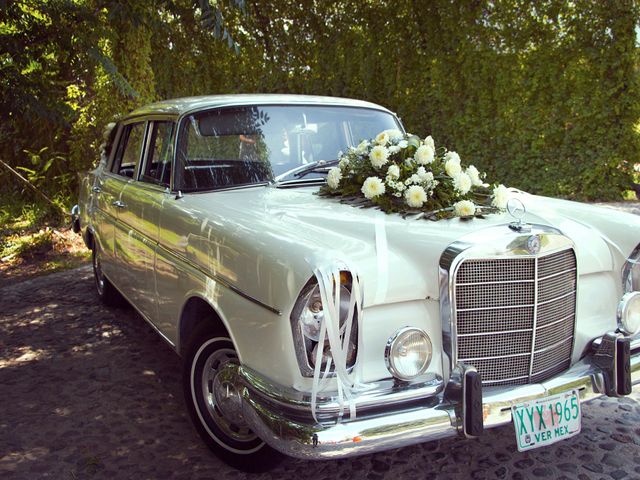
246 145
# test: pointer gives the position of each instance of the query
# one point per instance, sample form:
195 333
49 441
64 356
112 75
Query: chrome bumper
282 423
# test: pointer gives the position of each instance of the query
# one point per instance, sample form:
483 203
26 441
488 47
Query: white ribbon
329 286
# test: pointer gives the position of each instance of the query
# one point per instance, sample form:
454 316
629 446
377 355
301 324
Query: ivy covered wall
543 95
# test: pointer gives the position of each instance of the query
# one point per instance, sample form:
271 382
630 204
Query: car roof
180 106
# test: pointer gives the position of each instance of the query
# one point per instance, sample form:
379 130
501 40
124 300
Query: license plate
546 420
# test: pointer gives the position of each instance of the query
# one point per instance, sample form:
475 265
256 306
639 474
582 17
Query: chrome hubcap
222 400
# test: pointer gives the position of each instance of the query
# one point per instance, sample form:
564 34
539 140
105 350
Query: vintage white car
320 330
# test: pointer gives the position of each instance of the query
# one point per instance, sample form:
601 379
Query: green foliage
542 95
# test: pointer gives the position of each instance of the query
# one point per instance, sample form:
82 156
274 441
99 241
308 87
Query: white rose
393 171
333 178
452 156
424 155
403 144
501 196
382 138
394 149
379 156
430 143
394 134
464 208
372 187
474 174
415 196
452 164
462 183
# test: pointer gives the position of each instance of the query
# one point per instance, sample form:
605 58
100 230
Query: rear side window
157 168
129 150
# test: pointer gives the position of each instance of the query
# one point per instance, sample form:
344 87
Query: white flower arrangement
405 174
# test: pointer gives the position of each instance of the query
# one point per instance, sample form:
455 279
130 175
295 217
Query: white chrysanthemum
464 208
430 143
372 187
415 196
415 178
501 196
379 156
333 178
452 164
399 186
424 155
462 183
362 147
426 177
474 174
393 171
382 138
343 163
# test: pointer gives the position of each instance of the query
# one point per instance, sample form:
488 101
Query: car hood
397 258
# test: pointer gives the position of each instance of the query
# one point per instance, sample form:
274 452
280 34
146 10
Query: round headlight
408 353
629 313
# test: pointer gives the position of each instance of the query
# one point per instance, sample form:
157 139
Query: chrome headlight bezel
630 300
630 270
390 348
305 346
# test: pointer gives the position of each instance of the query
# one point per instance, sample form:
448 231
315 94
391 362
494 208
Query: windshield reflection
247 145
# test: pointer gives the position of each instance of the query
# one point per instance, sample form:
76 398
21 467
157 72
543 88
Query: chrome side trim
221 280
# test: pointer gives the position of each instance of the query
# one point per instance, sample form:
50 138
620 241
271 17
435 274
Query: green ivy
542 95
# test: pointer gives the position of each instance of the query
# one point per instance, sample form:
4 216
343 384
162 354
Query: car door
124 169
140 216
107 188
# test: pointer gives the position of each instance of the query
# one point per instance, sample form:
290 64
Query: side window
157 168
129 149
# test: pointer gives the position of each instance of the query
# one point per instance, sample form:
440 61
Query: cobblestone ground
93 393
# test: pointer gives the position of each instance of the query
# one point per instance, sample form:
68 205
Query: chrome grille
515 317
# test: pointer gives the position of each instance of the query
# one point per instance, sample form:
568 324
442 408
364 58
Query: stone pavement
93 393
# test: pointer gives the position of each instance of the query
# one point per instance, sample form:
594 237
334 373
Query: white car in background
321 330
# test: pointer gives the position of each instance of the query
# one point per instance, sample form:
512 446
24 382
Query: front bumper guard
611 370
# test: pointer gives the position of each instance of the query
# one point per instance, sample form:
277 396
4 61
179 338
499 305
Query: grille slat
494 345
499 297
503 319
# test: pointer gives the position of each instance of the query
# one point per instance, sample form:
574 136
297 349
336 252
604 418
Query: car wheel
215 411
106 291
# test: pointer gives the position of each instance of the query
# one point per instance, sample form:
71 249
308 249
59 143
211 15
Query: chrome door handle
96 189
118 204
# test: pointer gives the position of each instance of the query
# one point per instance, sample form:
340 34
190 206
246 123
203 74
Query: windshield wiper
319 166
302 170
